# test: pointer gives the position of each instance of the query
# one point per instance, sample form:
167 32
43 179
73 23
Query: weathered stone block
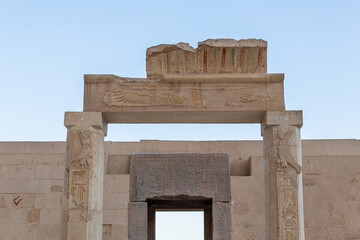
33 215
165 176
211 56
119 231
115 216
138 221
48 231
116 201
231 56
106 232
118 164
221 221
116 183
53 201
171 58
50 216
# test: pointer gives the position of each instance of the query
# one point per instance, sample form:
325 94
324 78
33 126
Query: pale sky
47 46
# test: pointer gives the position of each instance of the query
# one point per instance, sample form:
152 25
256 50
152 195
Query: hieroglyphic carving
284 156
78 168
287 207
79 187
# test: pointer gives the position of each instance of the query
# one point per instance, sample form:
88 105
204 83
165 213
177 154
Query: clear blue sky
47 46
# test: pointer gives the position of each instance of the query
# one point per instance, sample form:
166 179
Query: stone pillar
283 177
221 221
85 174
138 221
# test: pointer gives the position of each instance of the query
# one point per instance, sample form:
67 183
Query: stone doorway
222 81
179 182
204 205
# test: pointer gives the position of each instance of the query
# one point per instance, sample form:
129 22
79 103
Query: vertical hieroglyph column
283 176
85 174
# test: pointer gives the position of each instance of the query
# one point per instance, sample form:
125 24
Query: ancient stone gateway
222 81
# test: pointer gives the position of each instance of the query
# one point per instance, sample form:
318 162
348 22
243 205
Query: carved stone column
283 176
85 174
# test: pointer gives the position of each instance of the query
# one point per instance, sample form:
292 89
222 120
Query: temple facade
280 188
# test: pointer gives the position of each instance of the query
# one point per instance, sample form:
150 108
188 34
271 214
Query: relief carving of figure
78 167
127 98
83 154
284 155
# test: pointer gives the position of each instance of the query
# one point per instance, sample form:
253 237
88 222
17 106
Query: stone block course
118 217
50 216
12 147
116 183
116 201
39 147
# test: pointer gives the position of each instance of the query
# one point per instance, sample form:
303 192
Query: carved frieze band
154 93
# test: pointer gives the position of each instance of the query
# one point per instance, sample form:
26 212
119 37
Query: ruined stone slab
170 176
171 58
211 56
138 221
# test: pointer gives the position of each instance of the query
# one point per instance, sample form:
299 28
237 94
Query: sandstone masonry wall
32 187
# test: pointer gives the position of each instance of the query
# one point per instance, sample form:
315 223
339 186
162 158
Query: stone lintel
192 98
179 176
84 120
281 118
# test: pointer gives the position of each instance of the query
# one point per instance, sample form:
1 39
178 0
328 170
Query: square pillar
284 211
138 221
84 174
221 220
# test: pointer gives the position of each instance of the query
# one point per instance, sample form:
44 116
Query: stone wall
32 192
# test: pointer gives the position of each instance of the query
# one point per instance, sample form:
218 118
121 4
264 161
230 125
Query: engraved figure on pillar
84 168
282 151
